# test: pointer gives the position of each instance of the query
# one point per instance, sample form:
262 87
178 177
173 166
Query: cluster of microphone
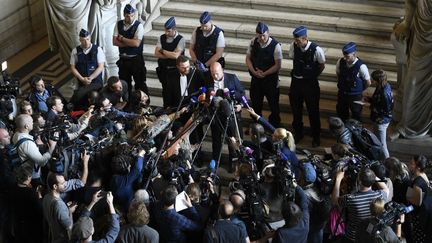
219 98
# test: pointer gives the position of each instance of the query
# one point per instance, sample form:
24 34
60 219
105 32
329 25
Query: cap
261 28
300 31
309 173
128 9
84 33
83 228
170 23
205 17
349 48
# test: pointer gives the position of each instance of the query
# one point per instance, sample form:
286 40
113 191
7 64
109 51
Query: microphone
245 102
212 166
216 101
225 108
202 98
249 151
220 93
199 91
226 93
211 95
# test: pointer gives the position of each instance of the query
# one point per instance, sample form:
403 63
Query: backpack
12 153
365 141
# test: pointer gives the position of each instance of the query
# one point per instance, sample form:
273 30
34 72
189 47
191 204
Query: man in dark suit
225 81
177 82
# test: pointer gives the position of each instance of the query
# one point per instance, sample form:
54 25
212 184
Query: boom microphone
245 102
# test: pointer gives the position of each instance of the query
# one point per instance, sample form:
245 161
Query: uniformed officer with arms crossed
353 79
87 63
264 60
129 37
308 64
169 46
207 42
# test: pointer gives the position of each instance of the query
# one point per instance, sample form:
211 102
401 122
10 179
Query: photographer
261 145
385 234
296 220
357 203
224 230
281 138
124 177
28 150
39 94
54 117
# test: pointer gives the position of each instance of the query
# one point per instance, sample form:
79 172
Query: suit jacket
173 91
231 82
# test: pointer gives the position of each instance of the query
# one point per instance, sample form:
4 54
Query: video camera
323 170
392 213
9 86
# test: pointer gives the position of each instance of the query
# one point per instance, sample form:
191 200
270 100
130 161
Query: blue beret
83 33
205 17
349 48
309 173
261 28
128 9
300 32
170 23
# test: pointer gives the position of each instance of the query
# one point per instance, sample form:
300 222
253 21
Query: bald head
216 71
4 137
226 209
24 122
237 199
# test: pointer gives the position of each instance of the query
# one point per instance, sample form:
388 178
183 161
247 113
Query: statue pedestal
404 149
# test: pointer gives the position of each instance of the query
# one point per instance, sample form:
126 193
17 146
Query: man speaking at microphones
229 85
177 83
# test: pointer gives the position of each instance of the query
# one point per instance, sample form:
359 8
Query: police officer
207 42
170 46
87 63
353 79
264 60
129 37
308 63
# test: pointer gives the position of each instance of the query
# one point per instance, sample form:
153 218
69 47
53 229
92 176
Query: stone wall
22 22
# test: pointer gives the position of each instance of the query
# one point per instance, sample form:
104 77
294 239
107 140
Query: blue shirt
41 100
172 225
122 185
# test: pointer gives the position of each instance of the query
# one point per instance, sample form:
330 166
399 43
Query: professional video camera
392 213
8 85
352 164
323 170
283 172
9 90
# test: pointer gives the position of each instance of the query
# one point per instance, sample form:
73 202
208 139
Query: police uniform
305 86
131 62
205 44
86 61
165 65
352 80
263 57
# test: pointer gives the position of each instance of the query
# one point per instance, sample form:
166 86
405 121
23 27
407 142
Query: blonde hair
194 192
286 137
377 206
138 214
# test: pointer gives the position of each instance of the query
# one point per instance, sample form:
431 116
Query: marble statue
416 28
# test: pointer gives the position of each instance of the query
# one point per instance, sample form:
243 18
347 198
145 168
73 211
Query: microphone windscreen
202 98
216 101
225 108
203 89
220 93
226 92
212 165
245 102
